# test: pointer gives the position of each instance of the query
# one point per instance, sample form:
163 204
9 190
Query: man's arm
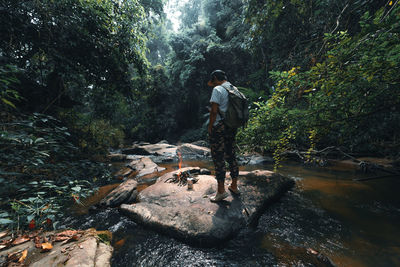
213 115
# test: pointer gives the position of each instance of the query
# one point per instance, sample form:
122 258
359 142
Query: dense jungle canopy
78 77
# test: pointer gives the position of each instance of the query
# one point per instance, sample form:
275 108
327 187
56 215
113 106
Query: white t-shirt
220 96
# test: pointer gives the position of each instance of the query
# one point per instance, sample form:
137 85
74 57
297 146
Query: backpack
237 113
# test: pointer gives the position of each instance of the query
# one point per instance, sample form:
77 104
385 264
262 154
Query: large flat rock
190 216
159 149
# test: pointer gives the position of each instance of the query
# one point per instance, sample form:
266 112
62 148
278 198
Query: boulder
123 173
135 150
144 166
191 150
124 193
159 149
190 216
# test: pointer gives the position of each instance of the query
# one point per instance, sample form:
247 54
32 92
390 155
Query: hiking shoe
218 197
235 192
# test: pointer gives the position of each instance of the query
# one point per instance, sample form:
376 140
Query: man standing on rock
222 138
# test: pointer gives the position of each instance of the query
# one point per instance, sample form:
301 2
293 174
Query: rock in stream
190 216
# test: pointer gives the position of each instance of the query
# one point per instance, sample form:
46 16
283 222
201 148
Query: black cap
219 74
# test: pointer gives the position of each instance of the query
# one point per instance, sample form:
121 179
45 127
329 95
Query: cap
219 74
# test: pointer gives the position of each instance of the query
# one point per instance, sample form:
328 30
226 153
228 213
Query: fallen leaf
61 238
20 240
46 247
3 234
6 242
49 221
14 256
68 233
310 250
23 257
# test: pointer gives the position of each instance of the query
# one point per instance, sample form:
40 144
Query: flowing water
353 223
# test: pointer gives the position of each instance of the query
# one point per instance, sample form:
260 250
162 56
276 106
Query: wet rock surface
190 216
124 193
144 166
164 152
159 149
192 150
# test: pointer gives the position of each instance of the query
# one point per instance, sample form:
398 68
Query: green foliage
84 42
350 99
101 136
41 172
93 135
8 81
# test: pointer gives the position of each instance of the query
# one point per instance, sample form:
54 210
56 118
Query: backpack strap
234 90
219 111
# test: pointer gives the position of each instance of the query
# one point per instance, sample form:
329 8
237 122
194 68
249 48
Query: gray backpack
237 113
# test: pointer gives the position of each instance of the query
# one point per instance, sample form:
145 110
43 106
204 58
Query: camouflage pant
222 142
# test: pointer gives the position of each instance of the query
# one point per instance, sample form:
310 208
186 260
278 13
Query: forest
79 78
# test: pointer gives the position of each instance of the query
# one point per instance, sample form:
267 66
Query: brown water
353 223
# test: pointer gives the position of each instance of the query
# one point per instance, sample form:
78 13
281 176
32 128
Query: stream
352 223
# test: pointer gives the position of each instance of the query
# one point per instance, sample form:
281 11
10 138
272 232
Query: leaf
23 257
40 139
31 224
3 234
8 102
30 217
46 246
20 240
5 221
4 214
76 188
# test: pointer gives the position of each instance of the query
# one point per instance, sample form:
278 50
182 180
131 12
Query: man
222 138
